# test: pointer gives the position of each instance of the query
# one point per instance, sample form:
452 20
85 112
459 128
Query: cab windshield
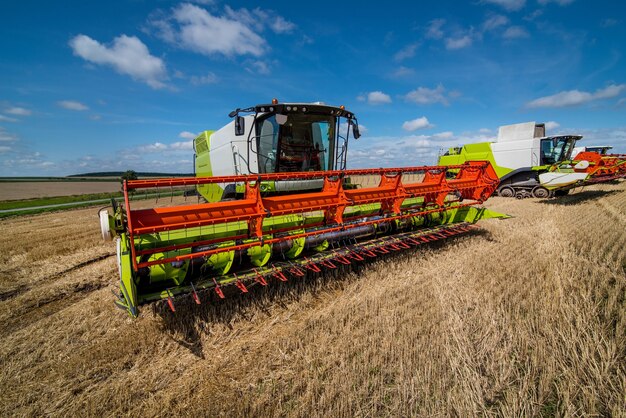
296 142
554 150
599 150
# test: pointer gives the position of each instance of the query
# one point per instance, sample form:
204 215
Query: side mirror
240 125
355 130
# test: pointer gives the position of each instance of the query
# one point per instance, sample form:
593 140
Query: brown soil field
34 189
525 317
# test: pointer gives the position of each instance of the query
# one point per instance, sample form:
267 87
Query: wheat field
525 317
18 190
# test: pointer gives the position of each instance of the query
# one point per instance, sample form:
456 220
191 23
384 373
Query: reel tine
328 264
194 294
240 284
170 301
218 289
295 270
259 278
279 274
311 266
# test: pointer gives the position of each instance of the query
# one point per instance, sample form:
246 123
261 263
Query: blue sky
97 86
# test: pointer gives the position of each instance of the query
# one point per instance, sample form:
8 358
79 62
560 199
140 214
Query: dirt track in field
36 189
526 317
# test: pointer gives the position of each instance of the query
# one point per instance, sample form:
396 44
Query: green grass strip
43 201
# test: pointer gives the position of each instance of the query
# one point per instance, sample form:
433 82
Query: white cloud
18 111
193 28
7 142
410 150
608 22
402 71
127 55
156 147
209 78
375 98
577 97
415 124
603 136
280 25
7 136
534 15
182 145
458 43
7 119
551 125
443 135
187 135
610 91
406 52
72 105
343 128
515 32
425 95
26 163
510 5
559 2
160 147
495 21
258 67
434 29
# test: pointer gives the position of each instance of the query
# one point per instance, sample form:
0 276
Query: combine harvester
278 203
598 149
527 161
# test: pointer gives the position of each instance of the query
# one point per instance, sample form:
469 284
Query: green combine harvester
276 203
527 161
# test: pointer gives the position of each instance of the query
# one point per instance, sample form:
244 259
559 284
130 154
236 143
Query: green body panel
127 283
202 146
473 152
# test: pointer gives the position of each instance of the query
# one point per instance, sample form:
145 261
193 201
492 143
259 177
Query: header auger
258 231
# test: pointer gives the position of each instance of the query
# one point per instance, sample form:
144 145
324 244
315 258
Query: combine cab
524 159
278 203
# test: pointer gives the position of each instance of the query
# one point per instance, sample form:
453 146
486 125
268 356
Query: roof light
274 101
342 107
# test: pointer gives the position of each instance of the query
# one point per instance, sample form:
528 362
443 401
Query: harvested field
31 190
526 317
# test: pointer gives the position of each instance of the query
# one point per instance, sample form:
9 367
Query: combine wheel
506 191
541 192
